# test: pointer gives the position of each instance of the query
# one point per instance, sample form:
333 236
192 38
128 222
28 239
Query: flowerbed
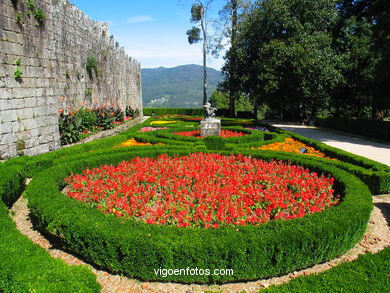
159 122
205 190
133 142
224 133
148 128
293 146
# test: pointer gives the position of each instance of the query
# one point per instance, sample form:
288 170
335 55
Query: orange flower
133 142
69 107
103 114
62 98
293 146
60 110
71 113
112 114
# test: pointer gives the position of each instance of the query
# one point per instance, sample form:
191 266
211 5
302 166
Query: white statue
209 110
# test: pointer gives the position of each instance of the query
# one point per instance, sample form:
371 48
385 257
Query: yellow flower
157 122
133 142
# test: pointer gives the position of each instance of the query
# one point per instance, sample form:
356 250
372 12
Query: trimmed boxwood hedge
24 266
369 128
253 252
369 273
171 111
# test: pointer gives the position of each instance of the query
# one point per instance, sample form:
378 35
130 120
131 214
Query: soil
376 238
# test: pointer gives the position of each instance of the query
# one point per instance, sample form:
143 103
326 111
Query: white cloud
138 19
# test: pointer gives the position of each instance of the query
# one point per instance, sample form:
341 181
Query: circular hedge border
253 252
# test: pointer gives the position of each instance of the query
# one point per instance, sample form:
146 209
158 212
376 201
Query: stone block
37 150
31 123
5 127
8 116
8 138
210 126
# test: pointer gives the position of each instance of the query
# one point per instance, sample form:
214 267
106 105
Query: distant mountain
177 87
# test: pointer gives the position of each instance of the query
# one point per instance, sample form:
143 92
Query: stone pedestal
210 126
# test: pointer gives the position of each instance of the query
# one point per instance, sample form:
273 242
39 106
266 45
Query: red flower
204 190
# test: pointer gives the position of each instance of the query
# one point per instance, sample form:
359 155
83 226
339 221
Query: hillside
177 87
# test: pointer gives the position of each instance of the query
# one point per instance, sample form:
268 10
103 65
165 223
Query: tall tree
199 16
231 14
284 55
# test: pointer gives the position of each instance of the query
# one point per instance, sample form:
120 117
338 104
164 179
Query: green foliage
18 74
105 117
39 16
24 266
221 101
130 112
214 142
369 273
30 5
19 18
69 127
87 119
92 65
18 62
171 111
368 128
88 92
303 58
197 12
193 35
253 251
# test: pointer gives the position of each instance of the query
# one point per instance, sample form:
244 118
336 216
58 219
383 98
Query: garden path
358 145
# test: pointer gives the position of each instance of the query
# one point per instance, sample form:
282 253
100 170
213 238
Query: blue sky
152 31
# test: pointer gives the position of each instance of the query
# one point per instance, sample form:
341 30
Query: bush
214 142
69 127
171 111
88 119
24 266
130 112
253 252
368 128
369 273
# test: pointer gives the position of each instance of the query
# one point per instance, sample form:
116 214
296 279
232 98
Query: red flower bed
224 133
205 190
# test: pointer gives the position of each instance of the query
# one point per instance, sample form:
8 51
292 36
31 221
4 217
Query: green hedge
24 266
251 137
253 252
170 111
369 273
368 128
376 175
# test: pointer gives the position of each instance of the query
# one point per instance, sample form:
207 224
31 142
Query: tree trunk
204 57
255 109
232 95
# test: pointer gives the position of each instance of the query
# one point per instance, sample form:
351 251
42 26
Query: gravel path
377 237
374 150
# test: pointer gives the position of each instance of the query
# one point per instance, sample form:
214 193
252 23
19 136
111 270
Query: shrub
87 119
253 252
69 127
130 112
368 128
24 266
369 273
214 142
167 111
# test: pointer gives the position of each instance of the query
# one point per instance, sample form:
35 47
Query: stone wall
52 58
